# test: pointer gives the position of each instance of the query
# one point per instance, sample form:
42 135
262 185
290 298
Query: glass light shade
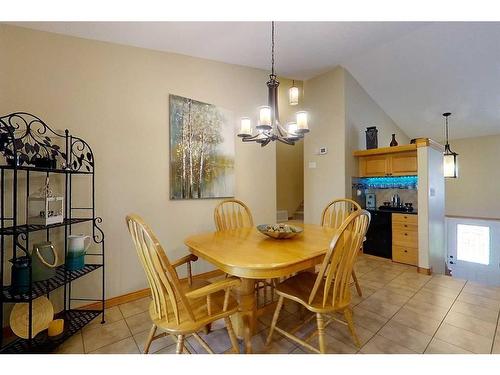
264 118
293 95
245 128
450 165
302 122
292 128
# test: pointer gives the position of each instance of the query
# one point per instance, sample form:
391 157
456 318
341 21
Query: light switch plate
312 164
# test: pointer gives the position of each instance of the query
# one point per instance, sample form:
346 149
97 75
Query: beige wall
362 111
475 192
324 100
289 159
116 98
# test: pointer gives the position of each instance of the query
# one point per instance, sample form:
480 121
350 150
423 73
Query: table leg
245 320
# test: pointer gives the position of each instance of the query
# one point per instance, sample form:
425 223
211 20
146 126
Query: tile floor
401 311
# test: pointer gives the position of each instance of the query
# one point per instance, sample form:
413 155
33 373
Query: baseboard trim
425 271
129 297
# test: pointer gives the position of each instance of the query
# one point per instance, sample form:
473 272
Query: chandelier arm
286 141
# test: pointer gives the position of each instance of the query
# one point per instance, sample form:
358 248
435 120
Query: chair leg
275 319
358 287
232 336
207 329
180 344
350 324
149 339
321 333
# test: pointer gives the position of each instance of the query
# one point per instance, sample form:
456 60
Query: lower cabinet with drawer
405 238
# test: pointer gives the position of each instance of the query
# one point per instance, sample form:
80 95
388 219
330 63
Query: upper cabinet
388 161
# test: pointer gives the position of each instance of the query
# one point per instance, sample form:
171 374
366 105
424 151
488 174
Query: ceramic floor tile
73 345
111 315
299 351
385 295
483 290
403 335
475 311
437 346
496 345
474 299
447 282
399 289
472 324
135 307
279 344
218 341
377 306
370 283
333 345
125 346
433 299
139 322
417 321
104 335
426 309
380 345
464 339
342 333
368 319
156 345
438 289
172 348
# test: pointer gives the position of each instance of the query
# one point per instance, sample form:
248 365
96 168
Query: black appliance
379 236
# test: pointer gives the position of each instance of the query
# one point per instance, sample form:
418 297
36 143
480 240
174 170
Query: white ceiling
414 71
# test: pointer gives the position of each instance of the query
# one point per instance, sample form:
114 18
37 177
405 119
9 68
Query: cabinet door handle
406 226
406 251
406 234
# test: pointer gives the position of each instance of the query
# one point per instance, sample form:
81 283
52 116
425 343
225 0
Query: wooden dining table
252 256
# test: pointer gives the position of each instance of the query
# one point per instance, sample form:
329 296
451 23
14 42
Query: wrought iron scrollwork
98 235
82 156
25 139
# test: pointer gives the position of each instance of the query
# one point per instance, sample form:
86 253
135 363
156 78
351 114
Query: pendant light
268 127
450 166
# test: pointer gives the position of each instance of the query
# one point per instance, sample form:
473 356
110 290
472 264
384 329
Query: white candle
293 95
246 127
302 122
265 117
292 128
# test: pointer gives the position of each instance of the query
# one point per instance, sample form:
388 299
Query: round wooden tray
43 314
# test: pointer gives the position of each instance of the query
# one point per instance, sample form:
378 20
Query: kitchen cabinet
405 238
388 161
397 164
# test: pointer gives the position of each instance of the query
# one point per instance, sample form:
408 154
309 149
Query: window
473 243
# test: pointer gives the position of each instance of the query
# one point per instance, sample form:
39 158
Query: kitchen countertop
414 212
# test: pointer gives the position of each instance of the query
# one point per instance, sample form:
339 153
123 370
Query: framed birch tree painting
201 150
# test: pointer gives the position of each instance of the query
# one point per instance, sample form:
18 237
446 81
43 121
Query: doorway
474 249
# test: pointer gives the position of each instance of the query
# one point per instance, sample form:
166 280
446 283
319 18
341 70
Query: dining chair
334 215
328 291
233 214
178 309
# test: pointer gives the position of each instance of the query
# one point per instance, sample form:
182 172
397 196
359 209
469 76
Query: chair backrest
337 211
336 269
232 214
168 296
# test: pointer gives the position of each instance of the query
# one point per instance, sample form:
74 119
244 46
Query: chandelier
449 157
268 127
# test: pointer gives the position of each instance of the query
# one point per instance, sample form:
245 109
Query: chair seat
199 308
298 288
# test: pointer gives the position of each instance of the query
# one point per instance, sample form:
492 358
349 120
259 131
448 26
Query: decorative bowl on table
279 231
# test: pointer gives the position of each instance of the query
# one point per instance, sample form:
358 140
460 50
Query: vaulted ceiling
414 70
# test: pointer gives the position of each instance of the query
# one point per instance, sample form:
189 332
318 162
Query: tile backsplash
385 195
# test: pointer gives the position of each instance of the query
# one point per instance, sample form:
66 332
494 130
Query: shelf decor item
268 126
56 327
393 143
371 137
25 138
42 313
75 258
44 207
43 261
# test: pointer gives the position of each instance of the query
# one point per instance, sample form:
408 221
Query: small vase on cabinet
393 141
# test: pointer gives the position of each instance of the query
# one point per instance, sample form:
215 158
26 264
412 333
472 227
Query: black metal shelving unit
25 141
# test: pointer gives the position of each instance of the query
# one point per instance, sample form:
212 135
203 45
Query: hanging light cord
272 48
446 127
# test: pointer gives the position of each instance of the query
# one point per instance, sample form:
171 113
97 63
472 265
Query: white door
474 249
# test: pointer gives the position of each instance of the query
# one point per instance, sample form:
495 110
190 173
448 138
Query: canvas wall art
201 150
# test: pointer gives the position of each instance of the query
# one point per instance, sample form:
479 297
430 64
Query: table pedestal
245 320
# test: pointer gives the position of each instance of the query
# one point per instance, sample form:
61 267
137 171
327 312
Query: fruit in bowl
279 231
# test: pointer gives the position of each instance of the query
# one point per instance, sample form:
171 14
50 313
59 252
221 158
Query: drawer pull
406 234
406 251
406 226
